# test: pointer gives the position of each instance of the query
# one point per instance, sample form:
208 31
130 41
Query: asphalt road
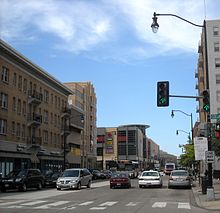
100 198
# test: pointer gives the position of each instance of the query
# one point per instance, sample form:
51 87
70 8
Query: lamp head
177 132
154 25
172 114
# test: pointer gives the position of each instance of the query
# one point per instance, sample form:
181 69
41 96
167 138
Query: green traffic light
162 100
206 108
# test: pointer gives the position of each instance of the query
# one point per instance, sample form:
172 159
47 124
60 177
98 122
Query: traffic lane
101 198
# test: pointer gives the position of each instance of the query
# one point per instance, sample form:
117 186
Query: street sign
215 116
210 156
200 147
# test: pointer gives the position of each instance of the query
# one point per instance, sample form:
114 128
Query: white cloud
84 26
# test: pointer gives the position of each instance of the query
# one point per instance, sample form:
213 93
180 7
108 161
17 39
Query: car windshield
150 174
71 173
121 175
12 174
22 173
179 174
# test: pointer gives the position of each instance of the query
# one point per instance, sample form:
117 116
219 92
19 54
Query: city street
100 198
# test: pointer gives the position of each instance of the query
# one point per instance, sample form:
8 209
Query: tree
188 158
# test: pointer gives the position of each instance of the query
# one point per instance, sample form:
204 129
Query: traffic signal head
162 93
206 102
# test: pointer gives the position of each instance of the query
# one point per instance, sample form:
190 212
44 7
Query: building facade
84 98
31 107
210 62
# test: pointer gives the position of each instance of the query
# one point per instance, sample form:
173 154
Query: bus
169 167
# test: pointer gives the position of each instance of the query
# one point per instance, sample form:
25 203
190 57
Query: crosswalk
91 205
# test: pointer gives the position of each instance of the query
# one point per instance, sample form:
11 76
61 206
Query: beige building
31 114
84 98
107 150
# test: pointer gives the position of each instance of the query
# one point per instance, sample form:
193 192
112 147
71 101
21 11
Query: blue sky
110 43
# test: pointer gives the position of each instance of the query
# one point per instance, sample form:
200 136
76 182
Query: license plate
6 185
118 184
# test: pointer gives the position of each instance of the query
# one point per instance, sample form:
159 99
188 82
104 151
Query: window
24 109
13 128
19 107
215 31
20 83
216 46
15 79
14 104
51 97
46 96
51 118
55 120
25 85
3 126
4 100
58 102
23 131
217 77
45 136
55 101
217 63
46 116
18 132
5 74
218 95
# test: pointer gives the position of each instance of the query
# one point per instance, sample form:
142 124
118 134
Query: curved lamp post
155 27
180 130
189 115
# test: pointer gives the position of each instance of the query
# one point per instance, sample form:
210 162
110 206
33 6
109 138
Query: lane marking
159 205
184 206
33 203
86 203
12 202
132 203
111 203
98 208
49 205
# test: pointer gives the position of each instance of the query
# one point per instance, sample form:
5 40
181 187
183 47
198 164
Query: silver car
180 178
74 179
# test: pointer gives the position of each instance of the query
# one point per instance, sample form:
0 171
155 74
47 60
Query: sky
110 43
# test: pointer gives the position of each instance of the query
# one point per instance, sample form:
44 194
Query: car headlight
18 179
74 181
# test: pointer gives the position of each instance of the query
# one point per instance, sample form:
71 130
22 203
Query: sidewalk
201 199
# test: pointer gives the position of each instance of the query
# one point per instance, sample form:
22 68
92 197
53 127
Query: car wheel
89 184
3 190
140 186
58 189
79 186
39 186
23 188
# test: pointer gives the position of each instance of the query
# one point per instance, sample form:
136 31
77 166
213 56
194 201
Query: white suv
74 179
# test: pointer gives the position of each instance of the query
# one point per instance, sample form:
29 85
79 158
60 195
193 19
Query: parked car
51 178
74 179
96 174
23 179
180 178
120 179
150 178
107 173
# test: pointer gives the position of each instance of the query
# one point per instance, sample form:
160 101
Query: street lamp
155 27
190 115
180 130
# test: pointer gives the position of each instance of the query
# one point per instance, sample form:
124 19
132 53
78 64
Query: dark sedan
51 179
119 180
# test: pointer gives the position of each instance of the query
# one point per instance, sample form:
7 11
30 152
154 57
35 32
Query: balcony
34 119
65 130
34 97
34 141
65 112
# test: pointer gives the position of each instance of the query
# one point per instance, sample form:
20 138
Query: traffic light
206 102
162 93
217 131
